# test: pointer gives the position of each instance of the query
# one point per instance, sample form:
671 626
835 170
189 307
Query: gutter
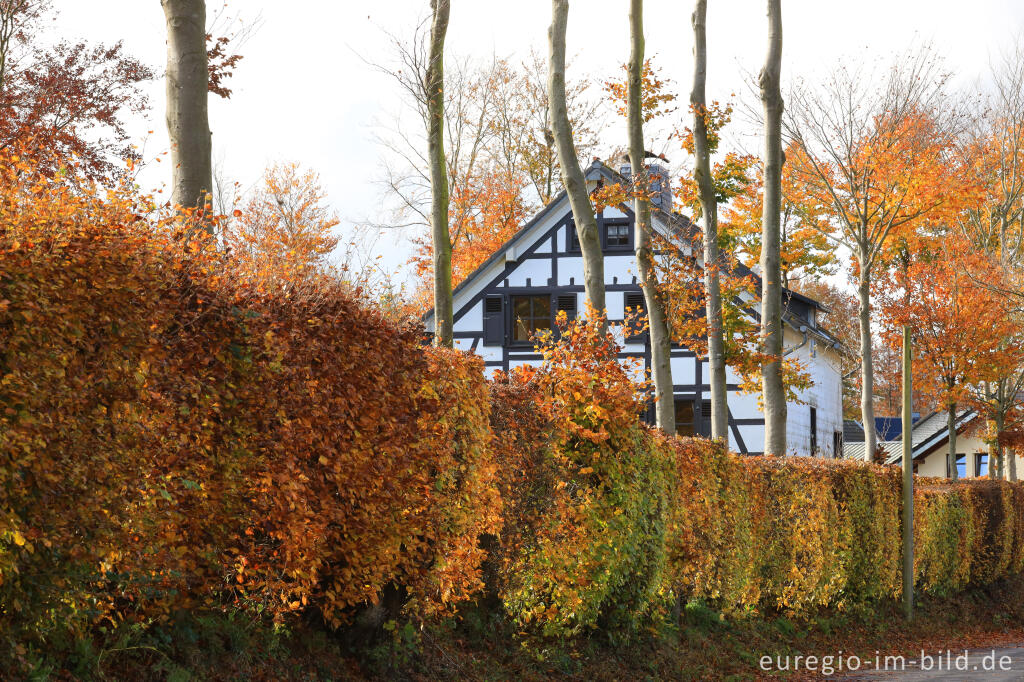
807 338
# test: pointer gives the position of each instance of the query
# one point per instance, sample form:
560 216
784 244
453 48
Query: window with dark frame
837 444
530 314
574 238
616 235
981 464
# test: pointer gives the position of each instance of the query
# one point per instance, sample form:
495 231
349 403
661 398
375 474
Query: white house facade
539 272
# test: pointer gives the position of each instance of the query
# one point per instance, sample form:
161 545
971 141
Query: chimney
658 173
661 186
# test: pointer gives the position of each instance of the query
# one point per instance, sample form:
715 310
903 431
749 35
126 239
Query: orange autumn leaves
485 212
178 435
962 323
285 227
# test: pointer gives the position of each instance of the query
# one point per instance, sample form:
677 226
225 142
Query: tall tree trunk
995 466
572 174
1000 452
867 373
439 178
772 387
188 121
709 208
951 427
908 482
657 321
1011 464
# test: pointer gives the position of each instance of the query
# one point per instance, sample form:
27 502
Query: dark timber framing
558 239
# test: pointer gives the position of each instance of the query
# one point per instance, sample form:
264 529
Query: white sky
303 93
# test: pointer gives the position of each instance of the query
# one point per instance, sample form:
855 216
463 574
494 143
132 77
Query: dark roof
888 428
891 428
853 432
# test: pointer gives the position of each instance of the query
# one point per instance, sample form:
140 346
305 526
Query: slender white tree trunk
188 122
657 322
709 208
439 177
867 374
572 174
772 387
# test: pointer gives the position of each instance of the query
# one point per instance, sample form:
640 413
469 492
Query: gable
514 252
525 261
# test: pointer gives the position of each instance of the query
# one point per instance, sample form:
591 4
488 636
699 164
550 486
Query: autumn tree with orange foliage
286 226
960 326
993 151
485 212
871 156
806 253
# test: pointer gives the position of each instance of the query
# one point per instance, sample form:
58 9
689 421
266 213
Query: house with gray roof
520 289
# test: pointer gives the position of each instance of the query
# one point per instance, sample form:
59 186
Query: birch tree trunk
439 177
867 373
951 427
657 321
772 388
188 122
709 208
572 174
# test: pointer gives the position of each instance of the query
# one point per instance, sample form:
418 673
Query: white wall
935 463
826 396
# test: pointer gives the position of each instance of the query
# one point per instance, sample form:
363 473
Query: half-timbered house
539 272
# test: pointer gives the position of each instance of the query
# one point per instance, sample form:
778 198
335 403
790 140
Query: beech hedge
177 434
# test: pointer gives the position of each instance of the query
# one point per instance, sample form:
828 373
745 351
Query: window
814 431
837 444
617 235
686 422
961 466
530 314
574 239
981 464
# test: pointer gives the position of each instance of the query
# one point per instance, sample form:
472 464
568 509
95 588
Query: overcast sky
303 92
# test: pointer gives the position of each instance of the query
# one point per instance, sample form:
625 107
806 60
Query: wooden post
908 485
